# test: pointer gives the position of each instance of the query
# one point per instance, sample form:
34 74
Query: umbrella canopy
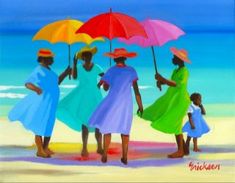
159 32
64 31
112 25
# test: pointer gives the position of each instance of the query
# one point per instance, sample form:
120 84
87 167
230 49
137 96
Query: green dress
167 112
75 109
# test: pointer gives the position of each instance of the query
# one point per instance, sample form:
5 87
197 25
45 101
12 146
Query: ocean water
212 71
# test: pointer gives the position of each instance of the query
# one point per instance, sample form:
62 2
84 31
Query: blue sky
196 15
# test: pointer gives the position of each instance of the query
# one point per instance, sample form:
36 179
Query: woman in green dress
75 109
167 112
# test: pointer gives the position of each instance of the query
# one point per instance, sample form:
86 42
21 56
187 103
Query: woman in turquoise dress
37 110
167 112
75 109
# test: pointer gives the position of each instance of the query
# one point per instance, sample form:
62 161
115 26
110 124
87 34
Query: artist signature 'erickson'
199 166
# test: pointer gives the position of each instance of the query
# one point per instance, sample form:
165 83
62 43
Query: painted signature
201 166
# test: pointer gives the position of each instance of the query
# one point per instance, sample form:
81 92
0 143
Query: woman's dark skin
182 147
125 138
88 65
46 62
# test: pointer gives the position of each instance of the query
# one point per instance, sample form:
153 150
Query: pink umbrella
158 33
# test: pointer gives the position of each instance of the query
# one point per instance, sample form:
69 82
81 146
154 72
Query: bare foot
48 151
177 154
124 161
104 159
197 150
99 151
84 153
42 154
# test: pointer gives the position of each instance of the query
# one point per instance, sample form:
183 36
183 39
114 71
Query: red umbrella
112 25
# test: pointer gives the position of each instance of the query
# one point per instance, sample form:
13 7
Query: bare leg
107 140
85 134
125 141
186 145
98 137
40 151
188 141
195 147
180 152
46 144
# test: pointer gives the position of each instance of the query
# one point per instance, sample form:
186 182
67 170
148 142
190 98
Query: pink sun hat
180 53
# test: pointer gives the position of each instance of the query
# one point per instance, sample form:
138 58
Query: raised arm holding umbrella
63 31
158 33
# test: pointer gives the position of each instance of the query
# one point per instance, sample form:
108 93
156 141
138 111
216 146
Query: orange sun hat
120 52
44 52
182 54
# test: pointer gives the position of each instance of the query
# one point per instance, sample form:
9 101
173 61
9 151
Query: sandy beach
147 156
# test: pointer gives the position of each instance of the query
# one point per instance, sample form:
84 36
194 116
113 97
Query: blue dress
114 114
76 108
200 124
37 112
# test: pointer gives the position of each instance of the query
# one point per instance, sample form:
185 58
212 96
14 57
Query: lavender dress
114 114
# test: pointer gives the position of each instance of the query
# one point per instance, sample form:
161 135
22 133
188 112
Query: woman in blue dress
37 110
75 109
114 114
196 126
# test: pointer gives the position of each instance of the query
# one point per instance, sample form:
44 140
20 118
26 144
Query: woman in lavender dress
114 114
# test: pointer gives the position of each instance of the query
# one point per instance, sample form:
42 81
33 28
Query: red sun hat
182 54
44 52
120 52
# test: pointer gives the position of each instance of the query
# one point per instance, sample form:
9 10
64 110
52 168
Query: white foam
145 87
12 95
9 87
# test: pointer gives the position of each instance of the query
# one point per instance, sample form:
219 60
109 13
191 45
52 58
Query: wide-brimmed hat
120 52
85 49
44 52
182 54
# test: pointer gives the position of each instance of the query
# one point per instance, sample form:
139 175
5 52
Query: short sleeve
190 109
34 77
107 77
183 77
133 74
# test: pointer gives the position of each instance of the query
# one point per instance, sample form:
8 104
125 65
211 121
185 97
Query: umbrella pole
69 59
154 60
110 49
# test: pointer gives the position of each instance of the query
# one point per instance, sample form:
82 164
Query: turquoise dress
37 112
75 109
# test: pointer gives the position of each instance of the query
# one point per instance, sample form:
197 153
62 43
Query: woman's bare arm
163 80
34 88
138 98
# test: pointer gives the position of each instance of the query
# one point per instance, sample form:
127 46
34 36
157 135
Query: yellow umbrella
64 31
